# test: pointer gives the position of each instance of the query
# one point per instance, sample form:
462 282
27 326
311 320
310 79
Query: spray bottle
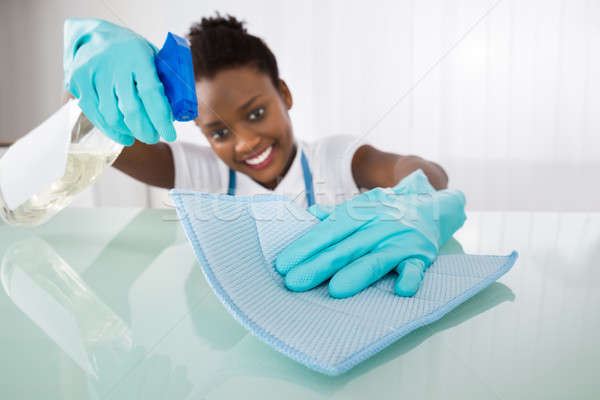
42 172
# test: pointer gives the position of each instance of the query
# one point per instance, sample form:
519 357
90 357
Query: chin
269 173
266 175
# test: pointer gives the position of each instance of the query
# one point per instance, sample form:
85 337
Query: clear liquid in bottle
90 153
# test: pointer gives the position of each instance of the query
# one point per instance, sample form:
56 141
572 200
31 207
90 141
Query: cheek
279 124
224 151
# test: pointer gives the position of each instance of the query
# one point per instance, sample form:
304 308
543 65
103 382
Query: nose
245 142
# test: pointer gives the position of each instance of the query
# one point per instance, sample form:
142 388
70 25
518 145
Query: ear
285 93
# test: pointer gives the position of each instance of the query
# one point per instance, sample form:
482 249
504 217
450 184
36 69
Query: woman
243 109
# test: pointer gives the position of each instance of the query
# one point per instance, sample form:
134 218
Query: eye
256 114
220 134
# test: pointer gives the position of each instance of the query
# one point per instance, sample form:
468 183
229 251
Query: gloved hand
359 241
111 70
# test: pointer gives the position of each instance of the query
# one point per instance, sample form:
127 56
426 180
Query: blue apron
308 183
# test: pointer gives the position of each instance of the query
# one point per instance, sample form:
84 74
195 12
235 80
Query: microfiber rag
236 240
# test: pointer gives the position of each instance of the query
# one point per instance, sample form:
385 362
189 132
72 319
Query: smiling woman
243 108
252 132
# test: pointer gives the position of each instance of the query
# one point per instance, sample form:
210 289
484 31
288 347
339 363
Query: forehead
229 89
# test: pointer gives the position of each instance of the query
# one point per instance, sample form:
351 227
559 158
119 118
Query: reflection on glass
54 296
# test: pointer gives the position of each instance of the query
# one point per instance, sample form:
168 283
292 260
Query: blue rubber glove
359 241
111 70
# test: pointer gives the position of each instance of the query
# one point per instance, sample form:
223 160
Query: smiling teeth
261 157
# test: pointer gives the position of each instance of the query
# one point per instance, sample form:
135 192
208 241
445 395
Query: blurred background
505 95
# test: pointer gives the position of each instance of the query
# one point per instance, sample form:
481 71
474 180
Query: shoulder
185 149
336 145
331 161
197 167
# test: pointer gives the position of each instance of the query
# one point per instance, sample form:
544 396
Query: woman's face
245 119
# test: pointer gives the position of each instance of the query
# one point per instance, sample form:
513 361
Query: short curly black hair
222 42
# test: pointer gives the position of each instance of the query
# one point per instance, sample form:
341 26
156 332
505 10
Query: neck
273 184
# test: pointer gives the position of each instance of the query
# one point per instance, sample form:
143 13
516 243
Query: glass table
111 304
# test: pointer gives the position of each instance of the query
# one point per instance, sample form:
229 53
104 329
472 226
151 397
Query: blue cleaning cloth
236 240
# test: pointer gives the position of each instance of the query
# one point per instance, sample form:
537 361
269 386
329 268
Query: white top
198 168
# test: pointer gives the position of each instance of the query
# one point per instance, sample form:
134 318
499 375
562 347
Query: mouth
261 160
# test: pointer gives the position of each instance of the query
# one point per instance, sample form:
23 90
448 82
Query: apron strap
308 182
231 188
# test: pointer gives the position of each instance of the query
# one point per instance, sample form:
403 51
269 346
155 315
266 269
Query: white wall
505 95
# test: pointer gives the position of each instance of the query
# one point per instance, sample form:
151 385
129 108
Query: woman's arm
148 163
374 168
